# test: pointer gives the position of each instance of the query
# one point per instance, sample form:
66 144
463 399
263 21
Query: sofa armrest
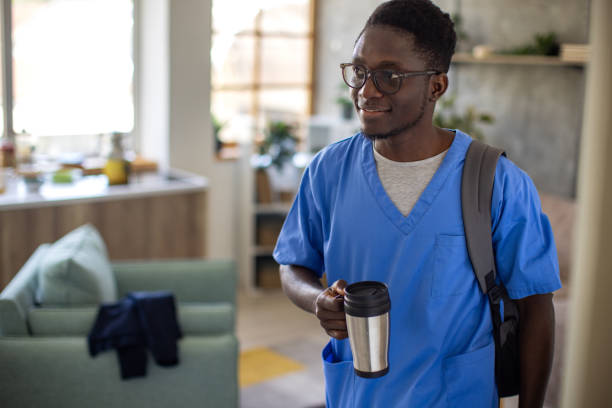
19 295
12 319
190 280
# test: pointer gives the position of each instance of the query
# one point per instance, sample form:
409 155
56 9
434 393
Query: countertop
20 194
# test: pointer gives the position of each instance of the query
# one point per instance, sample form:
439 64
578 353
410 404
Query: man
385 205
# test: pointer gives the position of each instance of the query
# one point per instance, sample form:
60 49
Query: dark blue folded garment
157 317
140 320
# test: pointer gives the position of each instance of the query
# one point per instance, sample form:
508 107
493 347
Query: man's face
382 116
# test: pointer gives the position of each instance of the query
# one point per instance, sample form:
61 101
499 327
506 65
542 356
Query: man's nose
369 90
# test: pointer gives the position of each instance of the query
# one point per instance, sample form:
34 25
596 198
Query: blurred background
180 130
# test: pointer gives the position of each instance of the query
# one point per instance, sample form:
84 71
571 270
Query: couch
44 360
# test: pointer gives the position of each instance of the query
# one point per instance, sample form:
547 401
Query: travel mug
367 305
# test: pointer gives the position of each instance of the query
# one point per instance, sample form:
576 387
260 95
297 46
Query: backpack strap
476 190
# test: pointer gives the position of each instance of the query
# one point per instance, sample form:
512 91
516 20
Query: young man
385 205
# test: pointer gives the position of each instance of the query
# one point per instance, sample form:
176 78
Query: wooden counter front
150 225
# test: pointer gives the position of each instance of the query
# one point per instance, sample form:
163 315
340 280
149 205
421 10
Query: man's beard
400 129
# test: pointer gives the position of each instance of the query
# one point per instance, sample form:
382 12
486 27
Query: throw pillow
76 271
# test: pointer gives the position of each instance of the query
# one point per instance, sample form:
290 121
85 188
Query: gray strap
476 190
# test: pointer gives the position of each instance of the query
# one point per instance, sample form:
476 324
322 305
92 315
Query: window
72 67
261 65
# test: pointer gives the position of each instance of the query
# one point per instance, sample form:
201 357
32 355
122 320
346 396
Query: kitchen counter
21 194
155 216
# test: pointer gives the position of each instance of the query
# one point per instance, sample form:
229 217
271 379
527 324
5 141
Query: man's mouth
374 108
373 111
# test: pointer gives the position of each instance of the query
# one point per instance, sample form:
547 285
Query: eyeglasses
386 81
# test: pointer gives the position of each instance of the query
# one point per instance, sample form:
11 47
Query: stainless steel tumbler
367 306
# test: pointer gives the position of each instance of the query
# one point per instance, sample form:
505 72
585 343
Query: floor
269 319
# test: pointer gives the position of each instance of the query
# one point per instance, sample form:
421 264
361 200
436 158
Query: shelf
500 59
273 208
263 250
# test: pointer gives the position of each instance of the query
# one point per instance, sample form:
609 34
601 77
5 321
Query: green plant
344 101
346 104
216 123
343 92
279 143
543 44
217 126
462 35
447 117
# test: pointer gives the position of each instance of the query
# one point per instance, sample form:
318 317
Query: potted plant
275 173
346 104
462 36
217 126
543 44
447 117
279 143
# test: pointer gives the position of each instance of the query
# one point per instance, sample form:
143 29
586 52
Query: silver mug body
369 339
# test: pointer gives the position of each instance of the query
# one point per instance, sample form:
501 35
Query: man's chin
375 136
379 134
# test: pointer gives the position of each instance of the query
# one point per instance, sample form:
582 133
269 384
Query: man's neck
416 144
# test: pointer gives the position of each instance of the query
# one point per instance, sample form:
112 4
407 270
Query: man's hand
304 288
329 309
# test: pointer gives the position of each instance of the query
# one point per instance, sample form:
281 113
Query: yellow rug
262 364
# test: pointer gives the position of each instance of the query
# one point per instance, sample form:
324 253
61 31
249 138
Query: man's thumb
339 286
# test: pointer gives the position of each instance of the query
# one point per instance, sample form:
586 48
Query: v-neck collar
455 154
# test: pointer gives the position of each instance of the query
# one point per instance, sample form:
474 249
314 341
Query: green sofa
44 360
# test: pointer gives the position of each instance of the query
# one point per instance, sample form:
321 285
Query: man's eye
360 73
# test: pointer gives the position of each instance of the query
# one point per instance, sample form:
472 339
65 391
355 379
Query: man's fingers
329 309
338 287
334 324
328 301
337 334
330 315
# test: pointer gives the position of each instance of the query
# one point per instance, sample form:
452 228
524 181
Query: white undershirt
404 182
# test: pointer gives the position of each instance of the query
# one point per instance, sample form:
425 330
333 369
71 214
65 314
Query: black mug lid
366 299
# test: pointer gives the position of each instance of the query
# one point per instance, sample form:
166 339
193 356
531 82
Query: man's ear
438 84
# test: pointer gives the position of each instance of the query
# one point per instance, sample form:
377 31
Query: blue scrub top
441 350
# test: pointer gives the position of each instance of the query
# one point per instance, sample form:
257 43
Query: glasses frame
371 73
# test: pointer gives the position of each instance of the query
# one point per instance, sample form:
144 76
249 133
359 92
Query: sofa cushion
76 270
194 319
61 321
59 372
190 280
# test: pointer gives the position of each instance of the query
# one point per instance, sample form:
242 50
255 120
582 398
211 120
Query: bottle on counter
3 180
7 156
117 168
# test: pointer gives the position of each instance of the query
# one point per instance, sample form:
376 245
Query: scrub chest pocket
452 271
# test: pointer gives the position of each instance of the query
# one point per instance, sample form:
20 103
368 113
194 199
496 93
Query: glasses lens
387 81
354 76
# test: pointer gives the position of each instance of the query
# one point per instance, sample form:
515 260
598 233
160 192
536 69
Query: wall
191 146
191 136
174 120
538 109
589 357
152 80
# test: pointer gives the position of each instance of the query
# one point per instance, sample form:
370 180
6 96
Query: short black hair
432 29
